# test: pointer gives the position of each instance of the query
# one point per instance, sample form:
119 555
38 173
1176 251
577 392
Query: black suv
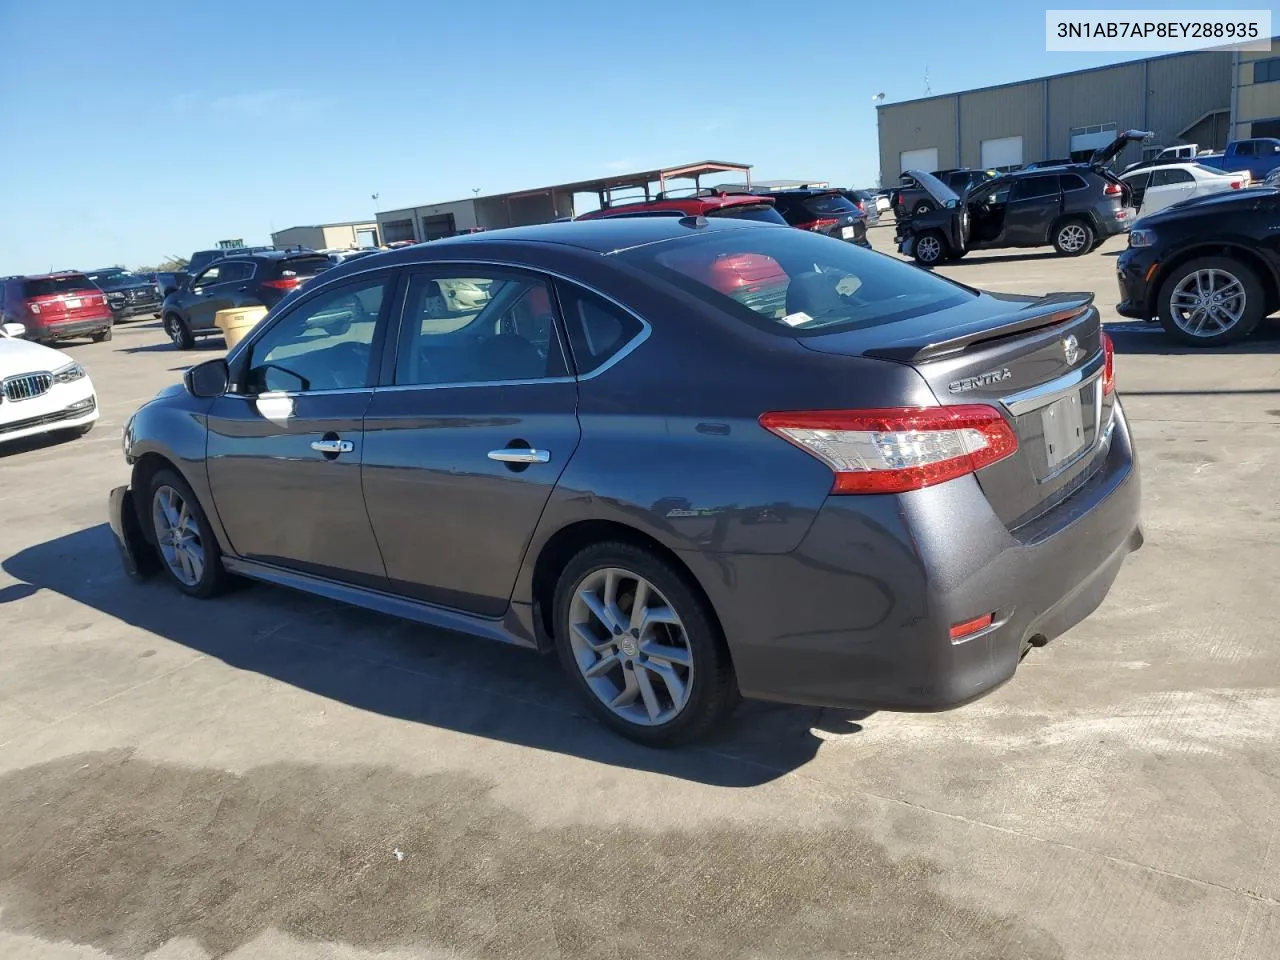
1074 208
239 279
1208 267
821 210
128 294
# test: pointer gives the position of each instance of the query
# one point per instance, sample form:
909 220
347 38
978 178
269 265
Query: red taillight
819 225
1237 184
967 628
900 448
1108 366
284 283
1112 189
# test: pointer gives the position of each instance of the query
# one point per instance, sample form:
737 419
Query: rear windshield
764 212
828 204
304 266
795 282
51 286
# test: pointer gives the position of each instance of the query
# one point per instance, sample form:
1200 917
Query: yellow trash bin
235 323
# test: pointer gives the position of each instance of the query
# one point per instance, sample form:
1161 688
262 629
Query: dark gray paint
827 600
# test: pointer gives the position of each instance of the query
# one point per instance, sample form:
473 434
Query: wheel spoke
602 666
630 690
184 561
660 651
647 693
675 686
638 608
582 633
195 557
600 610
656 615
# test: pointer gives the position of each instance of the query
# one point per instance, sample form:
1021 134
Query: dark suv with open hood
1074 208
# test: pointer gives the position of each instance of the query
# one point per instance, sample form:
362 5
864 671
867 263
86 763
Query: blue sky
152 130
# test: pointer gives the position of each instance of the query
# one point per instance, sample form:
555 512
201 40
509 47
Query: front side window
1138 181
325 343
208 278
792 282
478 327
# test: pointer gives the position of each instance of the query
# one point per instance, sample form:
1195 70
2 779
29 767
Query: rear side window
303 266
597 329
1072 181
793 282
52 286
828 204
234 270
1167 178
1029 188
763 212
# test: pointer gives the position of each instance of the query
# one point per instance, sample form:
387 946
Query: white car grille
25 386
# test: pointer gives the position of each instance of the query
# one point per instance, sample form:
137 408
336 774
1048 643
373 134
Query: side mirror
13 331
209 379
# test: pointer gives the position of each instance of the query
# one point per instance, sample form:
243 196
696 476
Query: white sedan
42 390
1155 188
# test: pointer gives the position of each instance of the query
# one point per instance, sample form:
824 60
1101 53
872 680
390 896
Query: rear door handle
332 446
520 455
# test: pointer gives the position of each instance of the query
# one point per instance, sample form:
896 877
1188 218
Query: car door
285 444
1168 186
1034 203
213 289
1137 184
469 435
987 206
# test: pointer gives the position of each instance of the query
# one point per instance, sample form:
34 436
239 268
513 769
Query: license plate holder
846 232
1063 423
72 303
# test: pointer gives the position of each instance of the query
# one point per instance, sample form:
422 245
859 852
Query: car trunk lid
1039 361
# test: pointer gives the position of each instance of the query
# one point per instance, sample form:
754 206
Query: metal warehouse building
1181 98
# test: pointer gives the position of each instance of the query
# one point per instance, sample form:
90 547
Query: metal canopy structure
604 187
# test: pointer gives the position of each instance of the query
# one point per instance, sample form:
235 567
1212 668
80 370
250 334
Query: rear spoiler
1048 311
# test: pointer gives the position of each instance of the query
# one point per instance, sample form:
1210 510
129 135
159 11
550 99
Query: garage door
926 159
1005 152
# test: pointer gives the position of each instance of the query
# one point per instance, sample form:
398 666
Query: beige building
329 236
1255 106
1181 98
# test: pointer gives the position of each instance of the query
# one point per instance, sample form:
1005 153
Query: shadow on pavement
407 671
1137 337
203 345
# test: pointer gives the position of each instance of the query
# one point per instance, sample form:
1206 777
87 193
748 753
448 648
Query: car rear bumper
65 329
1111 227
860 614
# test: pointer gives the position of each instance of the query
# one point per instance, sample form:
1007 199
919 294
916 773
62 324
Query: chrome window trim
1033 398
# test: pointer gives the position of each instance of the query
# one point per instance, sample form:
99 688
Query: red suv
56 306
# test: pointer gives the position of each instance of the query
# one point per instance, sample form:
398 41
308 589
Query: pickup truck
1259 156
1182 153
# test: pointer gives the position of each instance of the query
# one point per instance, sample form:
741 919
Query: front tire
930 248
642 645
1210 302
1073 238
180 531
178 332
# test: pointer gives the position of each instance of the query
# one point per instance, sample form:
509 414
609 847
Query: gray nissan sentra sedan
698 459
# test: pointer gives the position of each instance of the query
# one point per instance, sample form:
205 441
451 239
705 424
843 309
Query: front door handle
520 455
332 446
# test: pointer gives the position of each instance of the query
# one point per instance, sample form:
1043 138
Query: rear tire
171 506
1073 238
930 248
178 332
659 701
104 336
1241 296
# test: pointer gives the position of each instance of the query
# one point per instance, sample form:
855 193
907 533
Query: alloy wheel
1072 238
177 536
1207 302
631 647
173 326
929 249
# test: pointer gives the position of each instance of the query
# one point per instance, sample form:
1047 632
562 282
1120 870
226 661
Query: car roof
52 276
694 204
